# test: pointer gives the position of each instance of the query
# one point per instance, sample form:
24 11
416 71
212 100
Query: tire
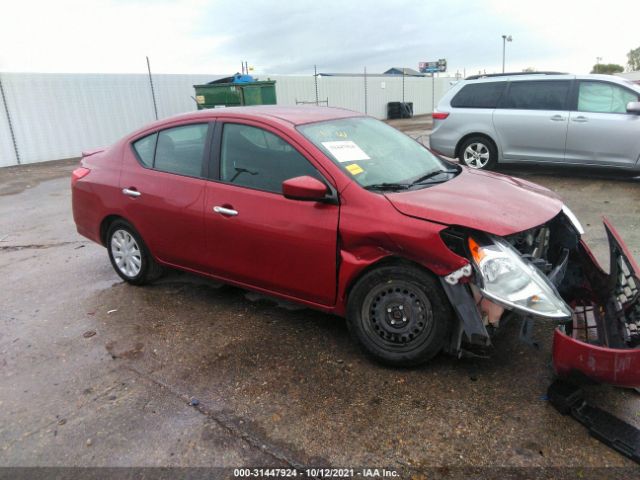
478 152
396 336
130 256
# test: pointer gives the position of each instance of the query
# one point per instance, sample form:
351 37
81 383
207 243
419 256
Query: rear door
601 132
254 234
531 120
163 182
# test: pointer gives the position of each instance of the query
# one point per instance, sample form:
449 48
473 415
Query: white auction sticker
346 151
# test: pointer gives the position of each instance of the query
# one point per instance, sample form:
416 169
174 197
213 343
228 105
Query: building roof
406 70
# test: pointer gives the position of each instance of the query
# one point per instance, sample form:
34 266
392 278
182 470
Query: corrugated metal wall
58 115
7 154
349 92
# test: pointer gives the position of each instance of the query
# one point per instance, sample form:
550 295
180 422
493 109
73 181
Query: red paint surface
309 252
485 201
607 365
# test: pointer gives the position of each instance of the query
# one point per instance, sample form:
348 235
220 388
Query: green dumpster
212 95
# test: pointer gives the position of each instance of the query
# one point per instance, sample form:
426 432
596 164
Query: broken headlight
509 280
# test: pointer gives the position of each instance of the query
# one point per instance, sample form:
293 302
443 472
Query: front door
601 132
255 235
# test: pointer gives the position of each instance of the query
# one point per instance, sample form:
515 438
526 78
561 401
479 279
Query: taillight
78 173
439 115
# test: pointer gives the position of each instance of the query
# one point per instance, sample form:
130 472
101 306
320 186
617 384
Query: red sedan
345 214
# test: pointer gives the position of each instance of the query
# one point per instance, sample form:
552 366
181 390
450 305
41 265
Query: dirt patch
14 180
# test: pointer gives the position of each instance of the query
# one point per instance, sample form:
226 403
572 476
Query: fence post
6 112
433 92
365 90
153 93
315 81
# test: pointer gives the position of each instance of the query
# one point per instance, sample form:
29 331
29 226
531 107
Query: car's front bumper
601 342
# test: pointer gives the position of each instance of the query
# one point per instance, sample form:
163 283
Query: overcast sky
199 36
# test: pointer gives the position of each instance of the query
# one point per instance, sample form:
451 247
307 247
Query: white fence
58 115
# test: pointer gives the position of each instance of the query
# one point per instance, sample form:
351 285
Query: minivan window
537 95
603 97
180 149
479 95
255 158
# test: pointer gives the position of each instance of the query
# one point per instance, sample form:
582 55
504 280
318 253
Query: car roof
518 77
295 115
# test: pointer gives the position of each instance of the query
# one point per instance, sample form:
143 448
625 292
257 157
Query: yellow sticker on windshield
354 169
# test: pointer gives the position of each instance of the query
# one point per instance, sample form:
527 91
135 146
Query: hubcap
476 155
397 316
126 253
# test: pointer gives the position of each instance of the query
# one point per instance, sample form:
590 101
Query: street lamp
505 39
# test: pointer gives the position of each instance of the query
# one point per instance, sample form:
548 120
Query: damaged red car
343 213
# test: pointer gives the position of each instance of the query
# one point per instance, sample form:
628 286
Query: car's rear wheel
399 314
129 255
478 152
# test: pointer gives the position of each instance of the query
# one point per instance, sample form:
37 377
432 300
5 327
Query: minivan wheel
129 255
399 314
479 153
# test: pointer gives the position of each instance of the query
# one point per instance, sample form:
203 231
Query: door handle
580 119
131 192
557 118
229 212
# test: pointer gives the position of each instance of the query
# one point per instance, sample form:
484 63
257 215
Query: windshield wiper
391 186
429 175
388 186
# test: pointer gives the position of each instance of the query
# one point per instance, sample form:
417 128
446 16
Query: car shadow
596 173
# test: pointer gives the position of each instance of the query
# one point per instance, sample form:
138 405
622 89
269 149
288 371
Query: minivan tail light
78 173
439 115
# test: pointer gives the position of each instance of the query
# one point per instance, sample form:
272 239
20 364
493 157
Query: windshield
375 154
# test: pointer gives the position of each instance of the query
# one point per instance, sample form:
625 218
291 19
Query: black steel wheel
399 314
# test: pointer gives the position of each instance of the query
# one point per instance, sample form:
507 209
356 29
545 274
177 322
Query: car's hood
486 201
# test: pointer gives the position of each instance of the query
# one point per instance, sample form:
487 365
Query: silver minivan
544 118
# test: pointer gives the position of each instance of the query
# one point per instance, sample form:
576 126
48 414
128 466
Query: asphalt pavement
187 372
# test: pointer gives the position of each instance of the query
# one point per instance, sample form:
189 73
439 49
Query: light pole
505 39
598 60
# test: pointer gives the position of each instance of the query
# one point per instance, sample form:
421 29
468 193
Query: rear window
177 150
145 149
479 95
537 95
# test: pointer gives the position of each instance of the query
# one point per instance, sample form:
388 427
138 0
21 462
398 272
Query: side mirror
304 188
633 107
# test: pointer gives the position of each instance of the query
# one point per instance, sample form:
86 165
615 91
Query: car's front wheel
129 255
478 152
399 314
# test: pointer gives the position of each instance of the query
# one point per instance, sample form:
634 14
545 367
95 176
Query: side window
180 149
478 95
537 95
254 158
602 97
145 149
